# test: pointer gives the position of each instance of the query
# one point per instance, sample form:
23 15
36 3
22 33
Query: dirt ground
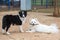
44 18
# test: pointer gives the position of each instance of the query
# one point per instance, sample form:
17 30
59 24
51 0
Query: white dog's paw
28 31
7 33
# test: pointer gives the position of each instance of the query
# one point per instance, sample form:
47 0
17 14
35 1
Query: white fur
7 33
3 31
41 27
21 29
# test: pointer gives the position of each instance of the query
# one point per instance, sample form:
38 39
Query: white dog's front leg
30 30
20 29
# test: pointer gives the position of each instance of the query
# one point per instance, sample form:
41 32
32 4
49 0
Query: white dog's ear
36 19
31 19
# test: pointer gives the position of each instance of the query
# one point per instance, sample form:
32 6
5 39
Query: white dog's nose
33 24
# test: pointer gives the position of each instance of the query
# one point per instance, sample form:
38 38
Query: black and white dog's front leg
21 29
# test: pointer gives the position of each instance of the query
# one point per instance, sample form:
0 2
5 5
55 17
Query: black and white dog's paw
7 33
3 31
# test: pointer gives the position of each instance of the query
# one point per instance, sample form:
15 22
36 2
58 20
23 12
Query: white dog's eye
33 22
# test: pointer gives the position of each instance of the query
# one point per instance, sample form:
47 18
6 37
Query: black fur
12 19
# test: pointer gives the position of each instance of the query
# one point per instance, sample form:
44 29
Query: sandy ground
44 18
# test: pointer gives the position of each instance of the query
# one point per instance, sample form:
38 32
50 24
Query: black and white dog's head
22 15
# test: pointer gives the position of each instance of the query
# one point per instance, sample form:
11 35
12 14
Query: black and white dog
13 19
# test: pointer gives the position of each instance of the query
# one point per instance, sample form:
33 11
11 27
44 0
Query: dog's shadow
12 32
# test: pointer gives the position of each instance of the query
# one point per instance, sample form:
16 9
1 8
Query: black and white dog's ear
19 12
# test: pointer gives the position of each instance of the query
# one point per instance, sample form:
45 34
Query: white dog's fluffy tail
53 24
54 28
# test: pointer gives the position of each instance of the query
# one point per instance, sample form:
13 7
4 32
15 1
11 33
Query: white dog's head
34 21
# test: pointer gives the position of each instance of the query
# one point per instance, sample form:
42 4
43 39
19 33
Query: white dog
35 26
